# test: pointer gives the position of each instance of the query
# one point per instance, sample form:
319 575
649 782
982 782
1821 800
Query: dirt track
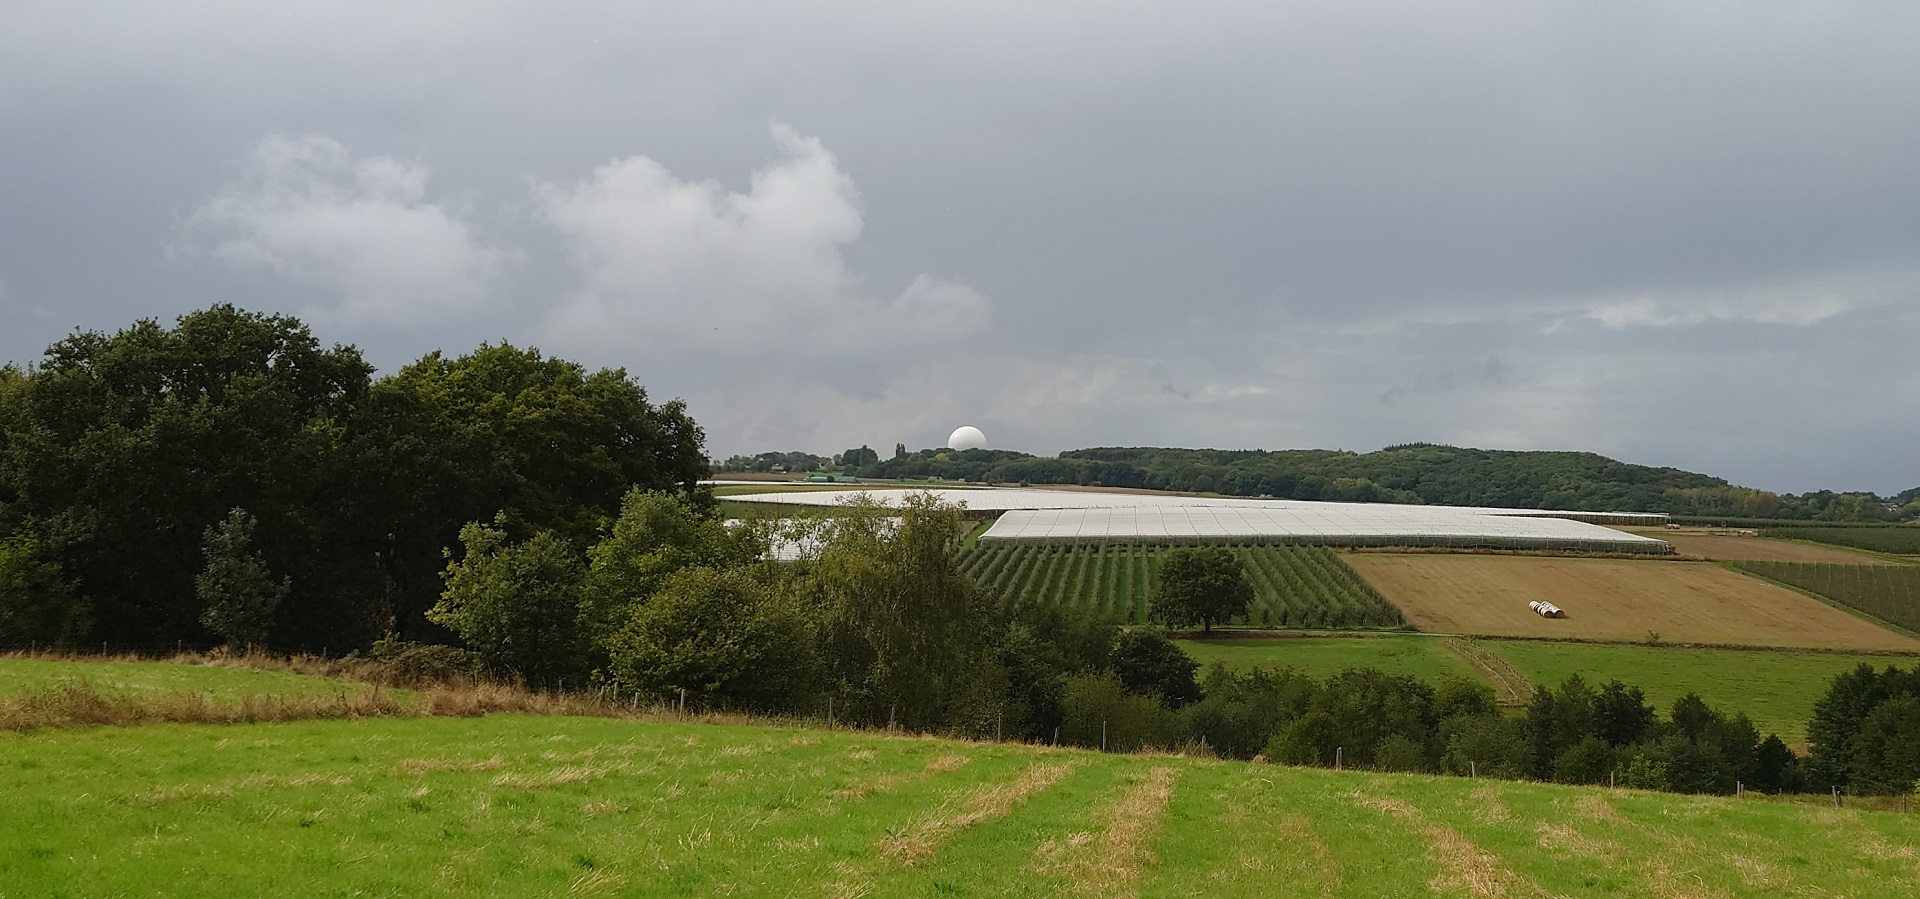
1612 599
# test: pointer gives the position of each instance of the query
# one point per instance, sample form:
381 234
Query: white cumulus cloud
360 230
679 265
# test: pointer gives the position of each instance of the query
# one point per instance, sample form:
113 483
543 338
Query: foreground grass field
1614 599
1776 688
1423 657
526 806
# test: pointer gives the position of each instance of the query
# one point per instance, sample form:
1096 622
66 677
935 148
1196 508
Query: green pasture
1294 586
21 675
538 806
1777 689
1423 657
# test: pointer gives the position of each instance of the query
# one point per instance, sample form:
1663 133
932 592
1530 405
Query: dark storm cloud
1683 234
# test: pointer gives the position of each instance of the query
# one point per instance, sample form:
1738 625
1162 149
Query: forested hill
1411 473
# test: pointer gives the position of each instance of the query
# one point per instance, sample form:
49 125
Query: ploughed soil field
1621 600
1709 543
511 805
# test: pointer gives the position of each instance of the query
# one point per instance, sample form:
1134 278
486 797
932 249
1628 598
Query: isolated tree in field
238 595
1201 585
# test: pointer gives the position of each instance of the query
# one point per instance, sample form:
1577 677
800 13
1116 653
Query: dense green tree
1242 711
1101 712
1621 714
657 535
904 632
1314 738
1775 767
37 605
1837 715
238 595
1485 745
724 636
1537 724
1458 697
119 450
1151 665
1202 585
1588 761
1397 753
1886 748
552 445
516 604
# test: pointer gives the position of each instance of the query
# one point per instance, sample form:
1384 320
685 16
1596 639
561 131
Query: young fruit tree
1202 585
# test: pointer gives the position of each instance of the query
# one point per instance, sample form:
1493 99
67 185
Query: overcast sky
1679 234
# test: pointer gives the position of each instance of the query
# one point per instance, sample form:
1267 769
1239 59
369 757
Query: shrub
1098 705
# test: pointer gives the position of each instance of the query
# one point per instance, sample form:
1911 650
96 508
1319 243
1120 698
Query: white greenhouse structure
1062 516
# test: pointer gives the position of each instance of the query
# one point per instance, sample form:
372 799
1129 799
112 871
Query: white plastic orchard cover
1090 517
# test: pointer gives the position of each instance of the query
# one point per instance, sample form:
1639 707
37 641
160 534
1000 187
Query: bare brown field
1722 545
1613 600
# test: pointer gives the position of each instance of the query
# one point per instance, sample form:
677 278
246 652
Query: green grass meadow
1423 657
1294 586
1777 689
549 806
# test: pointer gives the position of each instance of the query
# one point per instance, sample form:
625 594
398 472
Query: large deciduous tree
1201 585
119 450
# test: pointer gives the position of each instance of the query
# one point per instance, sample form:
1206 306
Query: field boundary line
1513 684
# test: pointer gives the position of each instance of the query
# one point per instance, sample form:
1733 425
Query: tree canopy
118 451
1202 585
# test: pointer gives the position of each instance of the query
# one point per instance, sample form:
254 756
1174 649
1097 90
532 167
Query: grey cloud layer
1685 234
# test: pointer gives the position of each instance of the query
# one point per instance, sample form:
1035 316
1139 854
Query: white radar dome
966 437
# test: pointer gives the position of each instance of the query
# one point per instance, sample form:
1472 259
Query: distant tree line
229 479
1411 473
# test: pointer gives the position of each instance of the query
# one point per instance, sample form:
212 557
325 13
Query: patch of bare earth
1617 600
1464 866
1108 863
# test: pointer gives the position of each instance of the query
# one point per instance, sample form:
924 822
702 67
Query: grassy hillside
510 805
1294 586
